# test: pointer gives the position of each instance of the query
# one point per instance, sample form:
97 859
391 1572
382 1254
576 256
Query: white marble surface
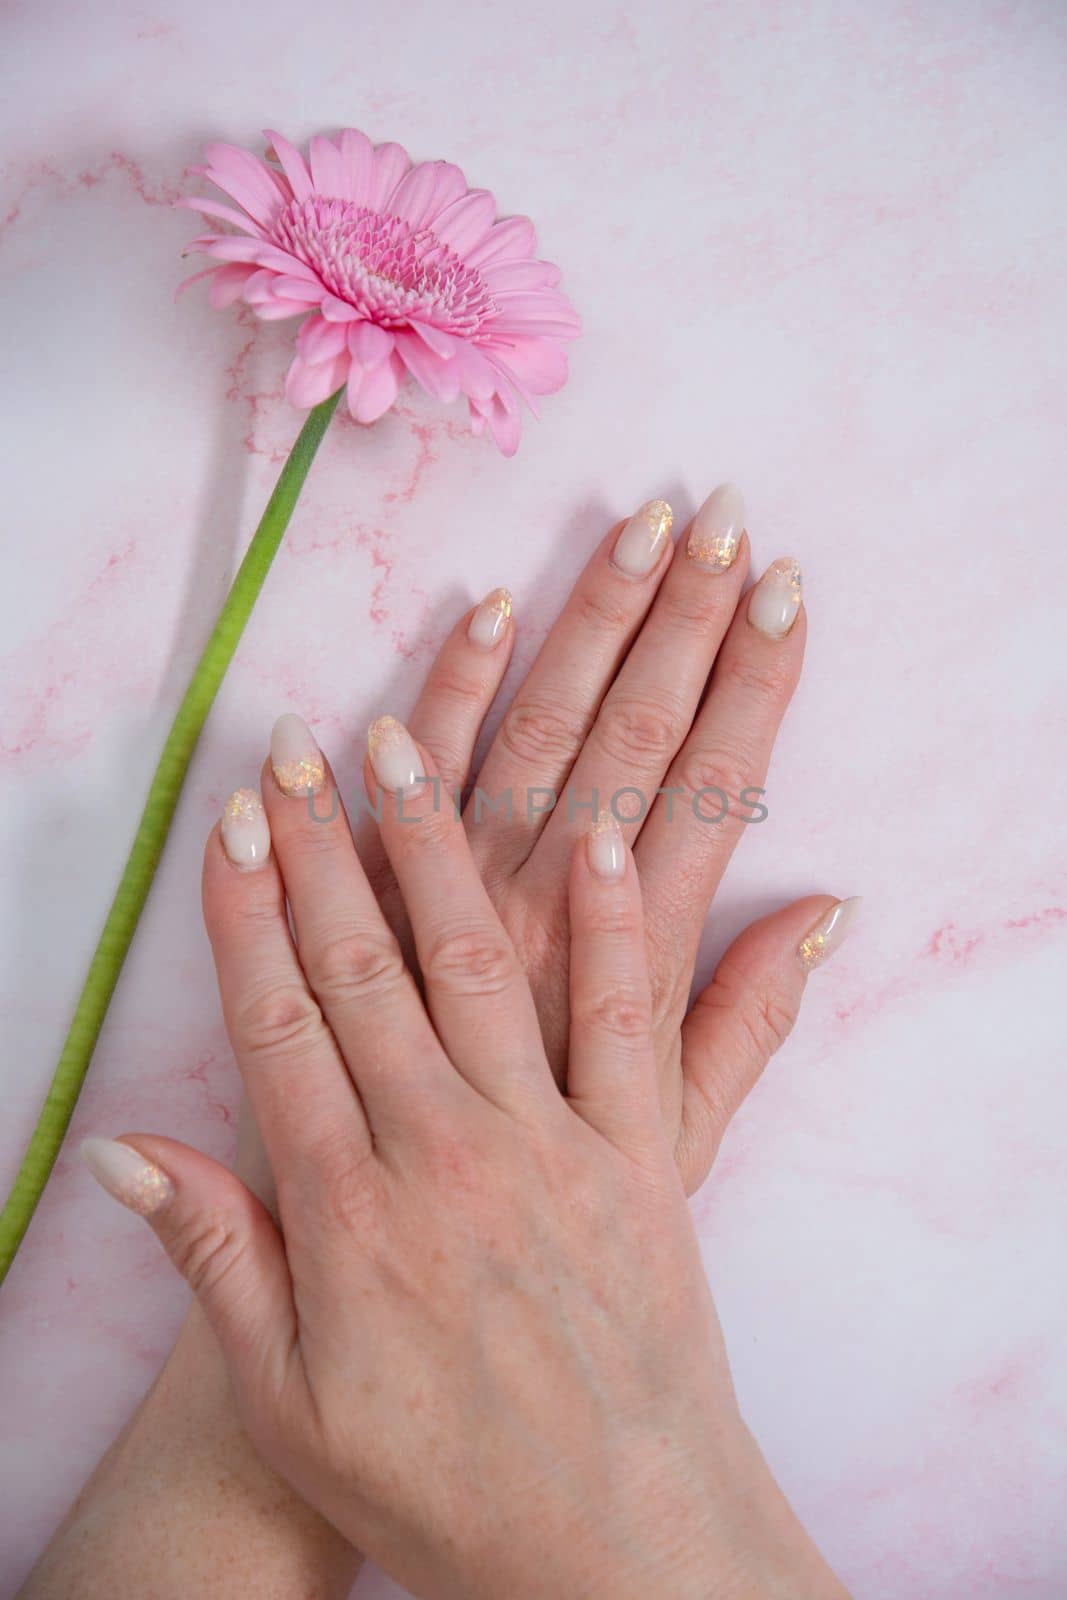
819 249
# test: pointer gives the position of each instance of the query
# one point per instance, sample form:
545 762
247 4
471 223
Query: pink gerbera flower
403 270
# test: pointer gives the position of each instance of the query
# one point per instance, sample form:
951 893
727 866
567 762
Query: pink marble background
820 250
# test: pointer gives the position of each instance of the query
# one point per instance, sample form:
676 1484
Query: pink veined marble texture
819 249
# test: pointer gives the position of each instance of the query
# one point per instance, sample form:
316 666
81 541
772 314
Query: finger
286 1053
715 783
547 723
221 1240
446 721
476 991
744 1015
647 712
351 957
611 1072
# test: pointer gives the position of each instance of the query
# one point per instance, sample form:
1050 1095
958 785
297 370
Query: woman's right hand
480 1340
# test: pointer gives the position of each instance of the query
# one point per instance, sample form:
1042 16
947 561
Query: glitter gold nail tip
820 942
717 527
394 755
245 830
775 601
295 758
127 1176
489 621
641 542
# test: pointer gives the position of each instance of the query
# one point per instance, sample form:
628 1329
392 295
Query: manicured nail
717 529
820 942
394 755
607 853
775 601
489 623
245 830
127 1176
295 757
640 544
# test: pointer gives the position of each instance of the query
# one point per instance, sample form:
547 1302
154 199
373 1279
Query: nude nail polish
643 540
394 755
604 844
775 601
489 623
127 1176
295 757
820 941
717 528
245 830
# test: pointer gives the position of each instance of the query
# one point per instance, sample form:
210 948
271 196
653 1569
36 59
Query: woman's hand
658 676
481 1342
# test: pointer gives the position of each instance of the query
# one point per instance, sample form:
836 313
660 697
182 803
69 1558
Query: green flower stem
150 838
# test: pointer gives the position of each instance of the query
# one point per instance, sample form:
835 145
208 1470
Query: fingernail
717 528
775 601
607 853
127 1176
394 755
820 942
295 757
489 623
640 544
245 830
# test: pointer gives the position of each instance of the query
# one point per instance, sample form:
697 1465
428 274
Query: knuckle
536 730
599 611
727 767
615 1011
205 1251
619 922
348 1193
458 689
762 1015
355 966
282 1019
686 609
470 961
639 729
767 1021
764 677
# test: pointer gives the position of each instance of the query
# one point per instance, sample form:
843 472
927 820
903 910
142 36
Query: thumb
744 1015
222 1240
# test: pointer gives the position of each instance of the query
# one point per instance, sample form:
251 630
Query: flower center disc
390 272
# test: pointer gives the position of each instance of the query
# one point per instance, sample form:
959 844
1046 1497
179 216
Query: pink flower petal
371 393
369 344
335 310
439 378
512 276
319 340
247 180
228 284
307 386
504 421
426 190
466 222
477 376
214 208
513 239
539 365
388 166
292 163
302 289
442 344
278 310
328 171
357 153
